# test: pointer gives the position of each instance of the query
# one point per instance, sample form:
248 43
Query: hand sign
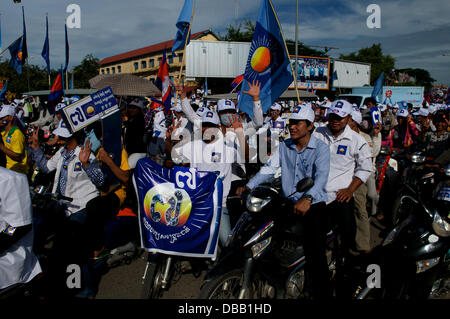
85 153
254 90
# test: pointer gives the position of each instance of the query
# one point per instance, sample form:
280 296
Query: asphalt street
125 281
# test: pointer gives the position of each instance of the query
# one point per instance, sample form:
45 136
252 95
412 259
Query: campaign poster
312 73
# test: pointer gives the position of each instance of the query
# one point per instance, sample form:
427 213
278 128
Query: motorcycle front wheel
227 286
151 282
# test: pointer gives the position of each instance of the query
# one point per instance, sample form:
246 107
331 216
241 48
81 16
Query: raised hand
254 90
85 153
34 139
236 122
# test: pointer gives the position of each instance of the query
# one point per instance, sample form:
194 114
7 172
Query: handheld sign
376 115
90 109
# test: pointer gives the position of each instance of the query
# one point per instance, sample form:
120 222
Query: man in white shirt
211 154
350 166
18 263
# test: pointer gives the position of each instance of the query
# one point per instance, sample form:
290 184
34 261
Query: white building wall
351 74
216 59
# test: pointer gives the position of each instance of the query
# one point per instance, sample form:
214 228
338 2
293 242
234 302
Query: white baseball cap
326 104
6 110
138 103
402 113
382 107
302 112
177 108
62 130
421 112
59 106
357 116
276 107
341 108
210 117
223 105
201 110
395 106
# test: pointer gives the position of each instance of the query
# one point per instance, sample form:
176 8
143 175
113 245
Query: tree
374 56
423 77
235 33
86 70
303 50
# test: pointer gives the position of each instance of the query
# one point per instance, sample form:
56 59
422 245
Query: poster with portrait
312 73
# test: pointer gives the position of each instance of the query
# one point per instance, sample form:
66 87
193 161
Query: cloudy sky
415 32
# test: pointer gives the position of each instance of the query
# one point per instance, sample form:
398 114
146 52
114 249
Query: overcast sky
415 32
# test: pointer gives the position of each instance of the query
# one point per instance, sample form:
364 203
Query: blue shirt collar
311 144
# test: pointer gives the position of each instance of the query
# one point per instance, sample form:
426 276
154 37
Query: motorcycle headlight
440 226
424 265
255 204
418 158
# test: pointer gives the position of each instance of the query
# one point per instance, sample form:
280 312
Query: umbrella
125 85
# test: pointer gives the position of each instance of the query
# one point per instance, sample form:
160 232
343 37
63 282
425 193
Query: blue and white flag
183 24
179 209
268 61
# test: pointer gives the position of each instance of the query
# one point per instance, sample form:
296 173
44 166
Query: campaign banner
179 209
312 72
376 115
89 109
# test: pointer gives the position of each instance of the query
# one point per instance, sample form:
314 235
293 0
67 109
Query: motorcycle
264 257
414 257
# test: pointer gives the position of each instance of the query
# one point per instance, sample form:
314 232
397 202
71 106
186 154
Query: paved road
124 282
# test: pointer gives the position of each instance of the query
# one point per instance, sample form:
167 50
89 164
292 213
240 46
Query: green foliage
35 78
87 69
235 34
374 56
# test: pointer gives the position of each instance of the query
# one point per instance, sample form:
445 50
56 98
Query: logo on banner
167 205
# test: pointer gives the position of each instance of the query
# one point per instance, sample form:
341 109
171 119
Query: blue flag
183 23
378 87
46 49
0 31
3 92
268 62
16 52
179 209
67 49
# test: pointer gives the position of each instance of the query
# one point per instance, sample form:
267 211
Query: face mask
226 119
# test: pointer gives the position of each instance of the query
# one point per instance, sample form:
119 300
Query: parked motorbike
264 257
414 258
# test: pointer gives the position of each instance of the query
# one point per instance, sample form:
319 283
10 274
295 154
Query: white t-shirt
212 157
18 264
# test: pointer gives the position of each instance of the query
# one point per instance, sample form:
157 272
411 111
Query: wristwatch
308 197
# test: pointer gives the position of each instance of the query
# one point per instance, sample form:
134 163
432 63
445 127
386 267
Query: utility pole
296 44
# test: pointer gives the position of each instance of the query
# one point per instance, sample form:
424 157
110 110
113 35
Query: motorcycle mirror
418 158
304 184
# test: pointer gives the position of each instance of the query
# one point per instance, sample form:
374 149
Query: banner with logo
179 209
90 109
376 115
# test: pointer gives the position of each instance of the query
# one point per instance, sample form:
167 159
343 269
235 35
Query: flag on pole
378 87
56 93
16 51
46 49
24 41
0 30
237 80
67 48
183 24
268 61
163 83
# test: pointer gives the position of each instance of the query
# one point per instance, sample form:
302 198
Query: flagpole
184 50
287 51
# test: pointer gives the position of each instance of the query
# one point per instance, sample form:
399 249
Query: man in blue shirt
300 156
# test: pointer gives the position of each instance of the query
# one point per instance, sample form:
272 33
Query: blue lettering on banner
376 115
